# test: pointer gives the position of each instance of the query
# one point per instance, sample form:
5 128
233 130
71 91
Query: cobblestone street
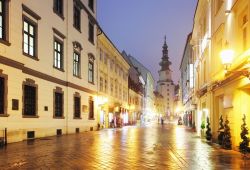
150 147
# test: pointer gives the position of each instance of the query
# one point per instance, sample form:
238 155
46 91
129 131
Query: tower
165 85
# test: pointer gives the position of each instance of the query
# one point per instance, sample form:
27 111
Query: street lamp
227 56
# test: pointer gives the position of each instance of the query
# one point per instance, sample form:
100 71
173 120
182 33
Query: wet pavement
151 147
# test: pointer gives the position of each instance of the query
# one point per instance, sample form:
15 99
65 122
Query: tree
221 131
245 140
227 144
208 132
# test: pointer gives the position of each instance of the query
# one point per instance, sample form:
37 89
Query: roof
140 67
187 42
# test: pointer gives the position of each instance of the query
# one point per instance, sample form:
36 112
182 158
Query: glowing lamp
227 57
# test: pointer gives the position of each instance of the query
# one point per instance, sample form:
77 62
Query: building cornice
29 71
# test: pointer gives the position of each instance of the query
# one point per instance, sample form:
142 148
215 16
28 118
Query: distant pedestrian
162 121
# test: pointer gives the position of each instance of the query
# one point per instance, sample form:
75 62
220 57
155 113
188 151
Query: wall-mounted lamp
227 56
227 12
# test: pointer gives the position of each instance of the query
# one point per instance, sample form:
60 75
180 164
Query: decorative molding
77 46
58 33
30 12
29 71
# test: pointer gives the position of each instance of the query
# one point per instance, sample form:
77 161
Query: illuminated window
91 68
29 37
58 54
76 64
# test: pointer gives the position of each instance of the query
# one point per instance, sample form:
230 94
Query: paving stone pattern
149 147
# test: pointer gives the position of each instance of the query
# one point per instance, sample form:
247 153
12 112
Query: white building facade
47 67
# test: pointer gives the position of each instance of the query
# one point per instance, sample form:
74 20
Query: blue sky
139 27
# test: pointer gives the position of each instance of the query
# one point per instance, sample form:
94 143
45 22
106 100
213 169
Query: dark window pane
77 17
58 6
91 4
91 32
58 104
91 109
29 100
77 107
2 95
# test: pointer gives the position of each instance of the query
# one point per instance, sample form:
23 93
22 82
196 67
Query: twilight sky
139 27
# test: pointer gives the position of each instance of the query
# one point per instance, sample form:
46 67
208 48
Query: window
77 17
2 90
91 32
111 86
116 89
91 108
58 54
3 17
76 64
29 38
91 5
106 59
58 105
105 85
77 107
244 32
101 53
58 7
101 84
111 65
91 68
30 103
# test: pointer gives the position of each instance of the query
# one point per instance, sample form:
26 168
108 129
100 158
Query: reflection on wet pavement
151 147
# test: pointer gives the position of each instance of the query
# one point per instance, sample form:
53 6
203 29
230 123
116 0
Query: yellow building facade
48 66
113 84
222 83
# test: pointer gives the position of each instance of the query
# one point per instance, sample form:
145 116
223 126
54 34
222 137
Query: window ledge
91 118
77 29
5 42
30 56
91 83
77 118
55 117
30 116
79 77
92 42
59 69
4 115
60 15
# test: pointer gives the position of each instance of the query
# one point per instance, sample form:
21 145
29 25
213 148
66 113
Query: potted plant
202 128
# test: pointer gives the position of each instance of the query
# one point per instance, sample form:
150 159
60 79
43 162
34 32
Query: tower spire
165 63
